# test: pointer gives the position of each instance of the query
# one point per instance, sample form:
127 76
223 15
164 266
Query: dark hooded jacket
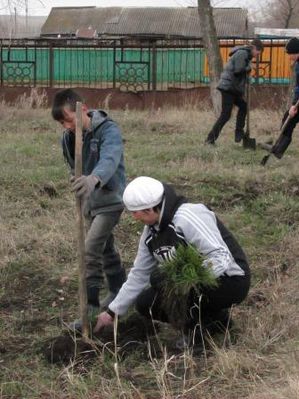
234 76
102 156
296 88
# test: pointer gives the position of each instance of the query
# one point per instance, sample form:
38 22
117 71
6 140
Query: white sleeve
137 280
199 226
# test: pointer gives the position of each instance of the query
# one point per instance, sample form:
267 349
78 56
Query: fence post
114 65
35 65
51 65
154 67
1 71
257 68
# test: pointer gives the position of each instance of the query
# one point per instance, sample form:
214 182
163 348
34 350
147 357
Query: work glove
84 185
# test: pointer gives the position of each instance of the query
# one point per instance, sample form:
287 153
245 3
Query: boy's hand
84 185
293 111
104 320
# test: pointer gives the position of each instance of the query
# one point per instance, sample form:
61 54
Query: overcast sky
43 7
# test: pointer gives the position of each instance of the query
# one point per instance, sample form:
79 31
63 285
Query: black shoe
218 323
239 137
218 327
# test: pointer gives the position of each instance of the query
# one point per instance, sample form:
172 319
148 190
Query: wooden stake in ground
80 223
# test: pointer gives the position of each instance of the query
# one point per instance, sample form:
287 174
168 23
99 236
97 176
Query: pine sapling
187 271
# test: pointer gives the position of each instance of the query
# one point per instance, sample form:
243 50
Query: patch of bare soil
132 334
66 348
257 299
254 188
135 334
12 346
291 186
48 189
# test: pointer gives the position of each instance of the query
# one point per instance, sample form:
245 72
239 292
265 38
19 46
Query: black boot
239 135
115 282
93 296
218 323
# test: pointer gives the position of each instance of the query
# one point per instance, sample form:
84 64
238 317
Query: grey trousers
101 255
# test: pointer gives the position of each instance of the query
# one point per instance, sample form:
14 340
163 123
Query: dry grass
38 265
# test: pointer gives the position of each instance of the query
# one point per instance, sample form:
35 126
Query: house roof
145 21
20 27
274 32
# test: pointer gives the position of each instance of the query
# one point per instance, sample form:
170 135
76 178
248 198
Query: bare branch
281 13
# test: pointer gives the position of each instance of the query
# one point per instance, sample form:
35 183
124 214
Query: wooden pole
80 223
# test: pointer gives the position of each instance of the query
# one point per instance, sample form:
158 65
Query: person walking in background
232 86
100 187
284 140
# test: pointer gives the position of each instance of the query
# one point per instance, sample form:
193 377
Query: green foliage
186 271
182 274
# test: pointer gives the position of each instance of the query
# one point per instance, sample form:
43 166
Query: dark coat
234 76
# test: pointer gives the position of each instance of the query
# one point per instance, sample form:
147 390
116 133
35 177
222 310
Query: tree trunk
210 41
289 13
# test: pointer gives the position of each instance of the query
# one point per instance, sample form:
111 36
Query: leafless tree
22 6
210 41
16 14
281 14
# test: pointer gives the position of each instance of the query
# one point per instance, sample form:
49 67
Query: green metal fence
150 65
93 66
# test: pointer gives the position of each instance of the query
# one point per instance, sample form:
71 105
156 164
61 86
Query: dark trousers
205 308
101 254
284 140
228 101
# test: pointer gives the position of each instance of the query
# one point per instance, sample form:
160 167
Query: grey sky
43 7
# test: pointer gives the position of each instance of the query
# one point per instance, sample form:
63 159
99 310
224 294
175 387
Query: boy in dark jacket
284 140
232 86
170 221
101 187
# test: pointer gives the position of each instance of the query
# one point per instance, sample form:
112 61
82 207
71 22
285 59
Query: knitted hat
292 46
143 193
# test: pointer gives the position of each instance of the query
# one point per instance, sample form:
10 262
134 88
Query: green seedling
184 273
